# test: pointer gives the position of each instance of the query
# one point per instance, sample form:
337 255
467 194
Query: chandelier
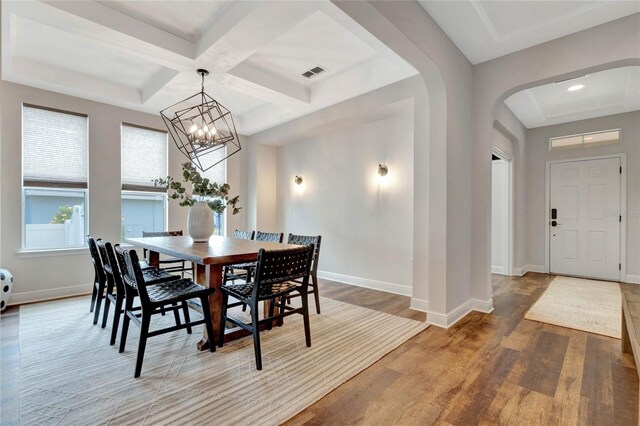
201 128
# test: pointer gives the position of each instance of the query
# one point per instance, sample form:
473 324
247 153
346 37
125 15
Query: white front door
584 218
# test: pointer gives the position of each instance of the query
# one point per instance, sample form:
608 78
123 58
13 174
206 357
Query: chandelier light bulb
193 129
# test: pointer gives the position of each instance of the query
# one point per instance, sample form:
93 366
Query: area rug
70 375
587 305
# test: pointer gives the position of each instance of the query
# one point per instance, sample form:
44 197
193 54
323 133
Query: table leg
154 258
213 280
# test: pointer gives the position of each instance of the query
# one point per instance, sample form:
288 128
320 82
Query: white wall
499 217
365 221
54 274
537 154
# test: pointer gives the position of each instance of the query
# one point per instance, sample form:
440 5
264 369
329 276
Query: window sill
28 253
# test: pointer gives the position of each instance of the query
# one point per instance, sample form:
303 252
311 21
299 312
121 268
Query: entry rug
587 305
69 374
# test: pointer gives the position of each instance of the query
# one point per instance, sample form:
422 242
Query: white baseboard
49 294
497 270
421 305
484 306
633 279
455 315
529 268
367 283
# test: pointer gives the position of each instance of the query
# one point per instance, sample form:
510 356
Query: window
144 158
604 137
218 174
54 173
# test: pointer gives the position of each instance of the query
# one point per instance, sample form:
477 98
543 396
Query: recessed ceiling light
576 87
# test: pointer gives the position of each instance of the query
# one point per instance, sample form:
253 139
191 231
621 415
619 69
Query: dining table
209 259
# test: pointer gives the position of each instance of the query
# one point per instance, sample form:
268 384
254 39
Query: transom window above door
604 137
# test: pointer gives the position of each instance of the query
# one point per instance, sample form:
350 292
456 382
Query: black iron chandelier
200 127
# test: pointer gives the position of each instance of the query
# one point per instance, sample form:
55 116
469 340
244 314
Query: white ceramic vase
200 222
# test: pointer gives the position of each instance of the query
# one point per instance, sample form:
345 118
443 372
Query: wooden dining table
209 259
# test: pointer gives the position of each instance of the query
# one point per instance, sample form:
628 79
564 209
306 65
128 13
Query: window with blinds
54 170
217 173
144 158
54 148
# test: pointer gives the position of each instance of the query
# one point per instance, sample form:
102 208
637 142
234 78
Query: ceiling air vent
313 72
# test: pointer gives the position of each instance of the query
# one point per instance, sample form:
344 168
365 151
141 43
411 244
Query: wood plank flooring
487 369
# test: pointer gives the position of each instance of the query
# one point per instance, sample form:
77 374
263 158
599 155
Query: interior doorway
585 204
501 212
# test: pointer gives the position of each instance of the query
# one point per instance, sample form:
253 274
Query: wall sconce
298 180
382 170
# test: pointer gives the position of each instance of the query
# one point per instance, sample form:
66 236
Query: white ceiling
484 30
605 93
143 54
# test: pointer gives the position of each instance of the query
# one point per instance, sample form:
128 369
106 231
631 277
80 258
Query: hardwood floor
488 369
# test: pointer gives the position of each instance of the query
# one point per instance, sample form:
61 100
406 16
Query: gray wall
538 153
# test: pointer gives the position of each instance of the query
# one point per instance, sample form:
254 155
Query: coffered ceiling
143 54
603 93
484 29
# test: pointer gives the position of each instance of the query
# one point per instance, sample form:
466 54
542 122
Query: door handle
554 223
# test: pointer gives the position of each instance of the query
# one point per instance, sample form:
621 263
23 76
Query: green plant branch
215 195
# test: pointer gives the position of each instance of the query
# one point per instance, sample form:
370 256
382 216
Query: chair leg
305 315
107 304
125 323
116 319
255 329
176 315
208 324
94 295
144 331
316 293
187 319
100 296
223 318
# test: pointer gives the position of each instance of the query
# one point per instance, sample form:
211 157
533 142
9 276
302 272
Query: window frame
51 186
147 194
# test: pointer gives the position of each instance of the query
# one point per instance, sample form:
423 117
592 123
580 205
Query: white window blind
54 148
217 173
144 157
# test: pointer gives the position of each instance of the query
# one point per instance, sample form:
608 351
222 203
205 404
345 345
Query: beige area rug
587 305
70 375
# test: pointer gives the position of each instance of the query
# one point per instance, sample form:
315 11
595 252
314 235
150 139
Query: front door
584 218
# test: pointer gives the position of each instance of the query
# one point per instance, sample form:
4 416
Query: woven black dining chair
99 280
115 292
313 281
244 271
171 295
172 264
276 272
229 273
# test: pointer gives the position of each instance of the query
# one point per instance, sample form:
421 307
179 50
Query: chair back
95 259
244 235
272 237
133 276
305 240
111 265
277 266
146 234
